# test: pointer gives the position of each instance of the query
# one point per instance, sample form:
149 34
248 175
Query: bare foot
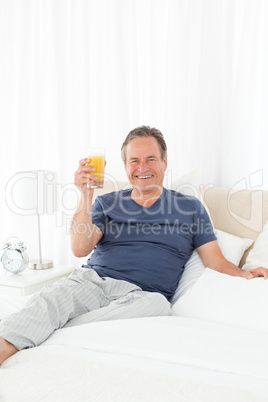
6 350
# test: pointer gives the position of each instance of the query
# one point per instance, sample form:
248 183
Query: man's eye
151 160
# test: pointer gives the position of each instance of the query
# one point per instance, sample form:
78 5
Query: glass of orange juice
97 159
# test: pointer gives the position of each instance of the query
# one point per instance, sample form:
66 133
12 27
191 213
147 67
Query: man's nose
143 166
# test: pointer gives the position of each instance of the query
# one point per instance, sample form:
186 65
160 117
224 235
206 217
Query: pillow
226 299
258 256
232 247
187 184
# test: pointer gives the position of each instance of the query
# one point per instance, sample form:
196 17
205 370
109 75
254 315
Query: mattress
141 359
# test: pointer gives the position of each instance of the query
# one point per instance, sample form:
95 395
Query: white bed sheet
142 359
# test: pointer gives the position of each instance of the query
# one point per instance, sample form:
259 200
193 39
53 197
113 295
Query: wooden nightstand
29 281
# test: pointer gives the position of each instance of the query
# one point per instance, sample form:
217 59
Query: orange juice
98 161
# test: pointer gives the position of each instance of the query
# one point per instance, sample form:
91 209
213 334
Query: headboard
239 212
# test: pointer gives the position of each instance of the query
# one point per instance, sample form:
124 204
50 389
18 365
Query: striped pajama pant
81 298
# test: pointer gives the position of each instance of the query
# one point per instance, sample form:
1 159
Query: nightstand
30 280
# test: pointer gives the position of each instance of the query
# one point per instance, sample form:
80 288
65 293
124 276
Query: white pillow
232 247
258 256
193 269
187 184
226 299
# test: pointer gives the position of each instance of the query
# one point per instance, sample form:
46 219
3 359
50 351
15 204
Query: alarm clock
14 257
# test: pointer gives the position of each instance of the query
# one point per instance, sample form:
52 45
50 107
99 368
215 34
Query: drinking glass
97 159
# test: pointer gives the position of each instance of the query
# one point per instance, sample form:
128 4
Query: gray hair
145 131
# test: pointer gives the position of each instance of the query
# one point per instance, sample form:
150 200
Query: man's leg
50 309
83 294
135 304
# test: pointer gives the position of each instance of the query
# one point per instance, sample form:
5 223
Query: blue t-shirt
148 246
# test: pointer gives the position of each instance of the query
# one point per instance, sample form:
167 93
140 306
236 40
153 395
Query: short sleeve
98 217
202 227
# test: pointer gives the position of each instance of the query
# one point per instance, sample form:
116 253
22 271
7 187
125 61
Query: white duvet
142 359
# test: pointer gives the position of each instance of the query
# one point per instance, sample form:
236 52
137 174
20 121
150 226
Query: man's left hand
260 272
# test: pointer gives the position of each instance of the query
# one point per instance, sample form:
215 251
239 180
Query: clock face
12 260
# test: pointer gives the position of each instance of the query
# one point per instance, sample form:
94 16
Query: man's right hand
84 176
84 234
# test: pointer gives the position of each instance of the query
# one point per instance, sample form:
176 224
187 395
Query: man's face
144 166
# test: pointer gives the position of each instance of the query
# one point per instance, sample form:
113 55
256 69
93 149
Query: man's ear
165 162
125 166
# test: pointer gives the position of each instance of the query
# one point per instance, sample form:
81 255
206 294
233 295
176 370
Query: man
141 237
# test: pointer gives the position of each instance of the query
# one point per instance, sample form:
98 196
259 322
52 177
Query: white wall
80 73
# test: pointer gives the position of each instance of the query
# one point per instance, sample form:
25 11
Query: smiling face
144 166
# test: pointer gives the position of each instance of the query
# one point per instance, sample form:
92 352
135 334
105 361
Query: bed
213 347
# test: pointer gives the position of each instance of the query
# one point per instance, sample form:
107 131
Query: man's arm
212 257
84 234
